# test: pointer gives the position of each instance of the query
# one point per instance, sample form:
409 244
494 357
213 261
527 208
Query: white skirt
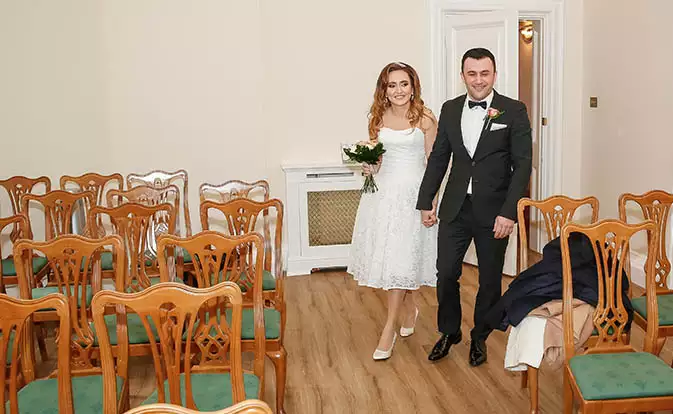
391 248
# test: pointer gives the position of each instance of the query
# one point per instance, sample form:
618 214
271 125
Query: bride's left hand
430 219
376 167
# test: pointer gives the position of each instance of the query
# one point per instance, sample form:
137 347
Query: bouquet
367 153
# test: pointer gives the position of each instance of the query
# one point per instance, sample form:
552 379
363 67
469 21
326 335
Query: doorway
530 86
456 27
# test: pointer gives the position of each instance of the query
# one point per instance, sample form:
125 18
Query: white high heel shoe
381 355
404 332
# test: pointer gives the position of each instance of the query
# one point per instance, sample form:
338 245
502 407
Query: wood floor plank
333 326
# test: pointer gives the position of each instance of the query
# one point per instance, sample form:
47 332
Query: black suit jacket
500 169
543 282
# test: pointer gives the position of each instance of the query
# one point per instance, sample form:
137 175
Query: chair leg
279 359
41 343
283 317
567 395
533 389
659 345
125 401
524 379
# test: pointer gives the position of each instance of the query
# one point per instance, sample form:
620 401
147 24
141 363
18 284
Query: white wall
628 63
628 66
572 72
225 89
232 89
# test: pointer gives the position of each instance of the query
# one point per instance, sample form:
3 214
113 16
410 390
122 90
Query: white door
497 31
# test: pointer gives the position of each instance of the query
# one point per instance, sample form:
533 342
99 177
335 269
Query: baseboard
303 266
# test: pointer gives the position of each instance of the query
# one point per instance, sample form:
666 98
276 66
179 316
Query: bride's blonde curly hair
416 109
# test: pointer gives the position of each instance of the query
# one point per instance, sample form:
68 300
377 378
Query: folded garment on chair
539 337
543 283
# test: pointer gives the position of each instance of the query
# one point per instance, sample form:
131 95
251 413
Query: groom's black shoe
441 348
478 352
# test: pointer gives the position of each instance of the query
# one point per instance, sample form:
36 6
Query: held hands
503 227
429 218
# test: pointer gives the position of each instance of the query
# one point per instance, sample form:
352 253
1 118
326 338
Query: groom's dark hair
477 53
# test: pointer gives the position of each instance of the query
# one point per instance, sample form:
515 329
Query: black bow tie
472 104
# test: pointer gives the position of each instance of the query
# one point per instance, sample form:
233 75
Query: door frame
550 13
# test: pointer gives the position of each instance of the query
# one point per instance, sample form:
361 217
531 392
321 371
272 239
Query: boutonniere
491 114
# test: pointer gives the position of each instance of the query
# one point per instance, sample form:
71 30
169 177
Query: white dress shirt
471 123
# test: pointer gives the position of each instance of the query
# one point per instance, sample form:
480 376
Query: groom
489 136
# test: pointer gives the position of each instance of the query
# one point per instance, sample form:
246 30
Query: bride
391 249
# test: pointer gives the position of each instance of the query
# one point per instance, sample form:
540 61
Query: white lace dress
391 249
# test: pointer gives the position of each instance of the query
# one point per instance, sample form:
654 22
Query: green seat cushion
186 257
8 268
611 330
41 396
268 281
211 392
136 330
106 261
625 375
665 303
155 280
44 291
271 323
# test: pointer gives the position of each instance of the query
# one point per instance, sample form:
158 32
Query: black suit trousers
453 241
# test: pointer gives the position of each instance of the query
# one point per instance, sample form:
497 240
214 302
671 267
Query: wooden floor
332 329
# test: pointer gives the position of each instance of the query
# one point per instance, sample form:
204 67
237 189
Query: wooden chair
15 320
8 273
99 185
146 195
219 258
196 353
611 376
233 189
96 183
221 193
159 179
139 226
19 224
152 196
556 211
75 264
241 217
245 407
655 206
17 187
59 206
